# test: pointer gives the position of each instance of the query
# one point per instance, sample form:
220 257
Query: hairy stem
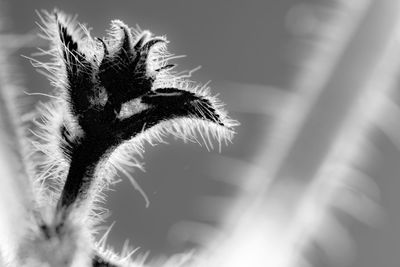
85 158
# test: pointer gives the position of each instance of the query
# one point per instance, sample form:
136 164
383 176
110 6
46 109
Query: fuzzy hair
56 114
49 140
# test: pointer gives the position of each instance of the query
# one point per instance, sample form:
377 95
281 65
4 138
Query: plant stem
85 158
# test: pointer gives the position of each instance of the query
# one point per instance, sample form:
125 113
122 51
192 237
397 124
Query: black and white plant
111 96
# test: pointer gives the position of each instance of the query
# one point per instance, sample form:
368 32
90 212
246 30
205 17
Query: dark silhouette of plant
111 96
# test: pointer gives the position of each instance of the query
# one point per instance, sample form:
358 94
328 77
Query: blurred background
311 178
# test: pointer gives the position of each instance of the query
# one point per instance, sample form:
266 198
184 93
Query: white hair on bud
54 161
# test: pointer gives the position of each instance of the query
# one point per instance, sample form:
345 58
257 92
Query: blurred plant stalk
322 129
